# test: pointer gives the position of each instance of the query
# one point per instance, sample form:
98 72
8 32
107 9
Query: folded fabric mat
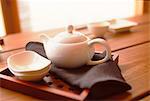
103 79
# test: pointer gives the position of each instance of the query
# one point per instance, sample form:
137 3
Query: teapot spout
44 38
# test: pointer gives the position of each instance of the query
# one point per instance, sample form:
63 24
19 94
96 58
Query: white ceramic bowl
31 77
98 29
31 73
28 65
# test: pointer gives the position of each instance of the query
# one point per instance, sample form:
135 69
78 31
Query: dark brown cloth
103 79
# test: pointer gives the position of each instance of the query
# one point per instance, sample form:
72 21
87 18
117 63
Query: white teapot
72 49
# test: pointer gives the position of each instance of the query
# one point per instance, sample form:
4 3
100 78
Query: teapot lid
69 33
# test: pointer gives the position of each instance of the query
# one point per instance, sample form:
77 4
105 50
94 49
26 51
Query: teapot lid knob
70 29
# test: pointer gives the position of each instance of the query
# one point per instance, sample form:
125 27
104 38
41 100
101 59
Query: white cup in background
98 29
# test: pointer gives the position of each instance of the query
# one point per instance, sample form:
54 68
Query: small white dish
27 61
121 26
98 29
28 65
31 76
33 73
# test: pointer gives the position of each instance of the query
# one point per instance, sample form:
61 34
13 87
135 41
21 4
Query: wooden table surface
134 58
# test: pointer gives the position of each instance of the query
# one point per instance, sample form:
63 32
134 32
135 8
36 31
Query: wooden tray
59 90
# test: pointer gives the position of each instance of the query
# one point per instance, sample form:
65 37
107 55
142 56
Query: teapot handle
108 51
44 38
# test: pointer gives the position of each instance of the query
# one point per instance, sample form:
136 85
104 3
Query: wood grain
141 19
19 40
146 6
134 61
41 90
135 69
8 95
134 66
139 34
147 98
11 16
4 56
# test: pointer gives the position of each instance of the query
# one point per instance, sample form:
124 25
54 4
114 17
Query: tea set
69 49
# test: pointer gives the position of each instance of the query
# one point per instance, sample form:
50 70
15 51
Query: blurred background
43 15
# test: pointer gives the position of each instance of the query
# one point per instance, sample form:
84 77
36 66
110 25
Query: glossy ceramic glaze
27 61
34 76
28 65
121 25
98 29
73 51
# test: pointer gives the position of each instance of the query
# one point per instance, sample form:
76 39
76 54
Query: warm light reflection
48 14
2 27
